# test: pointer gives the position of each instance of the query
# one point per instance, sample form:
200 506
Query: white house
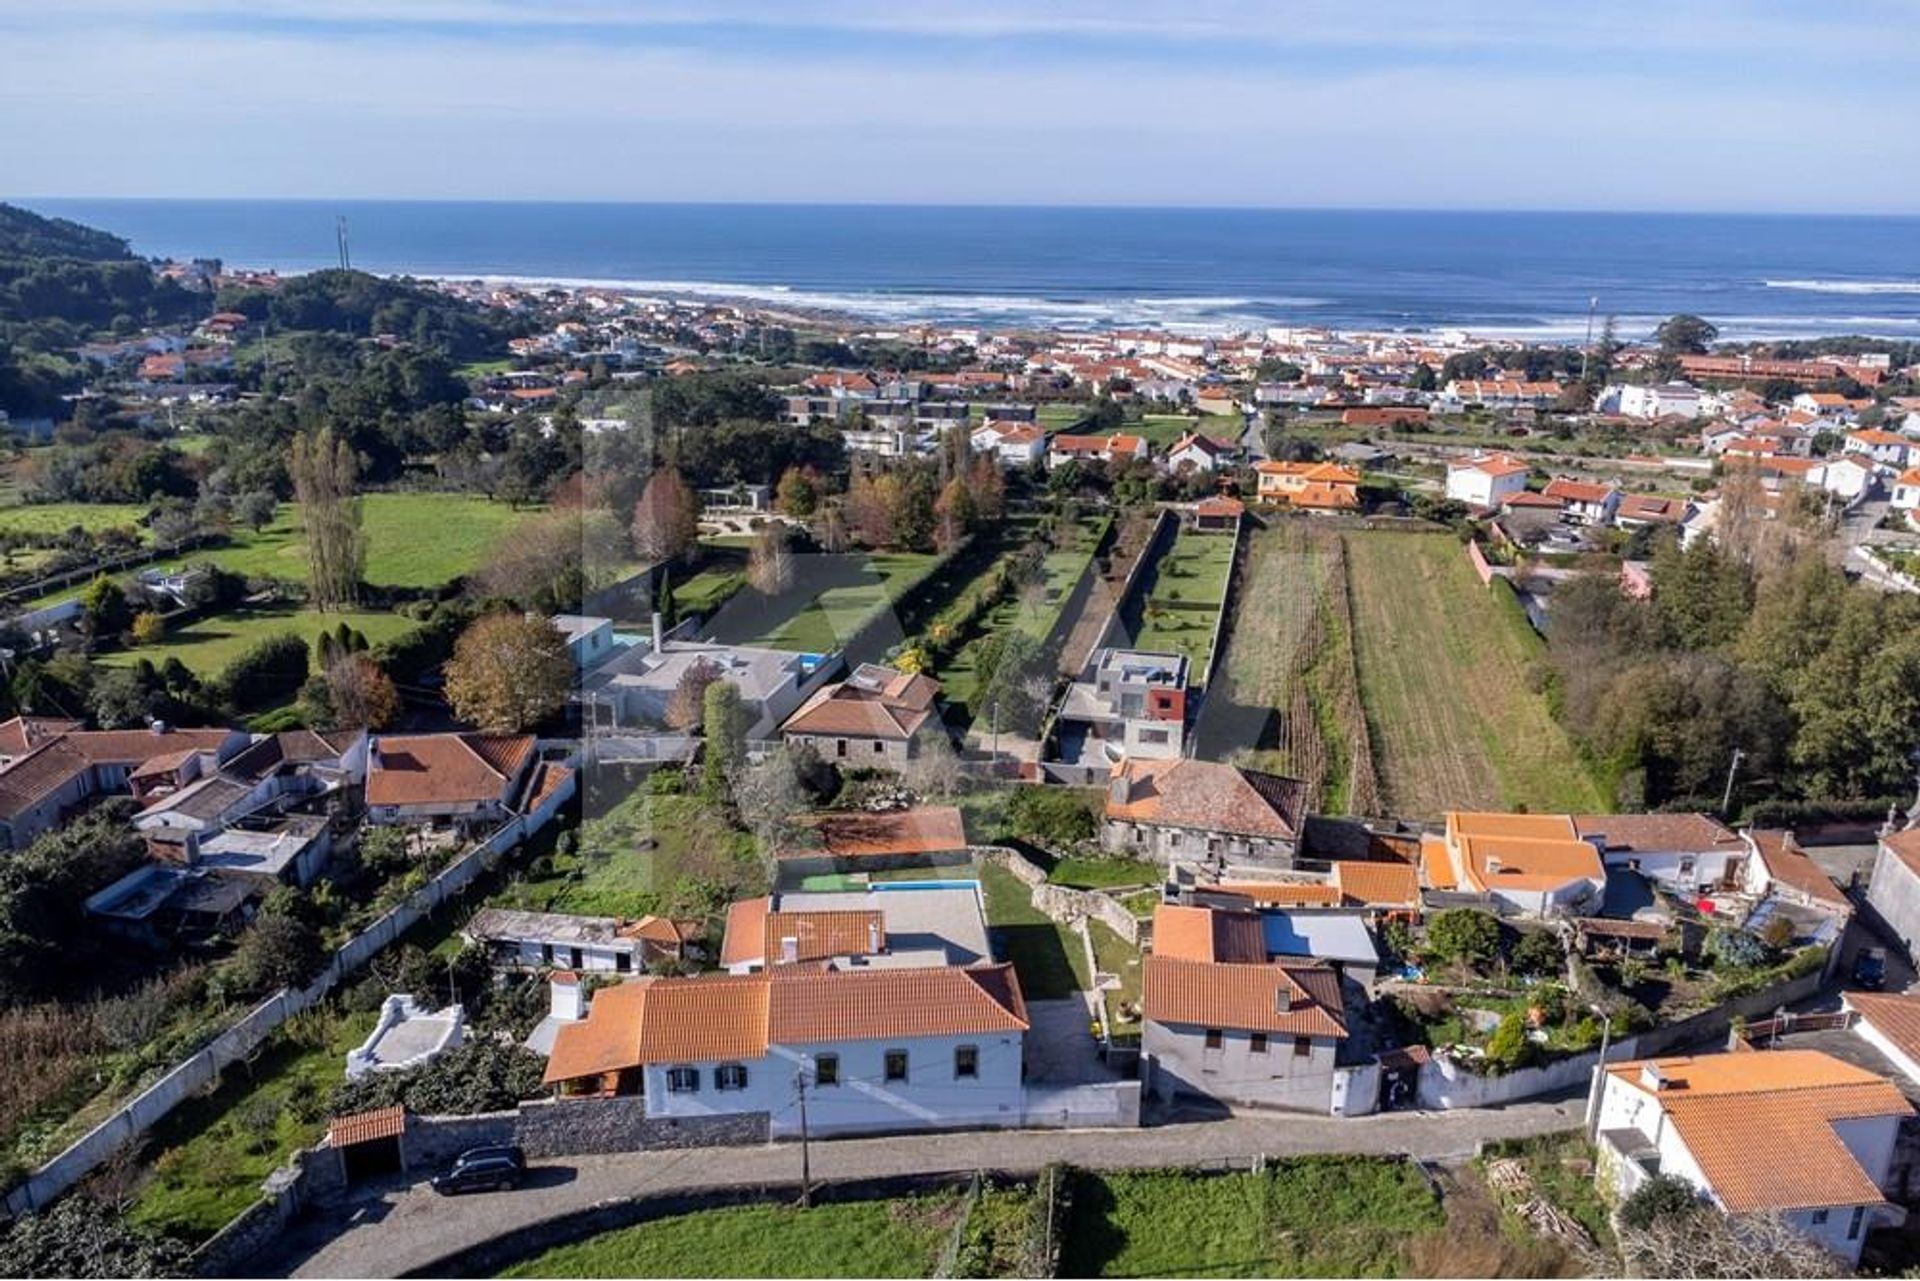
1687 853
1012 444
1885 447
464 779
1893 891
1906 492
1536 863
1890 1023
1584 503
1849 476
589 639
871 1050
1632 400
1196 452
1796 1133
1486 480
1221 1021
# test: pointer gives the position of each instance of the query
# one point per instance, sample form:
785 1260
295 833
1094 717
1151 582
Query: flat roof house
890 924
1126 704
637 684
874 1050
1796 1133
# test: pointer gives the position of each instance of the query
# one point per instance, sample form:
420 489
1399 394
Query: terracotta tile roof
1492 465
1519 851
929 829
1788 864
1281 893
1296 1000
1332 496
1208 934
660 930
364 1127
548 779
704 1019
1377 883
1651 508
607 1040
1219 505
1208 797
1528 499
818 936
745 936
1657 833
445 769
1436 865
1760 1125
878 702
868 1005
23 733
1577 491
1896 1016
54 762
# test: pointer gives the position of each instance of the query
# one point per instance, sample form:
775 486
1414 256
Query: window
839 747
826 1069
1302 1046
1257 1043
879 748
1819 1217
730 1076
966 1061
623 962
1213 1038
683 1080
579 959
1853 1224
1153 736
896 1065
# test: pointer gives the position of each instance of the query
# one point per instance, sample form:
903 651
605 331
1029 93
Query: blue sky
1626 104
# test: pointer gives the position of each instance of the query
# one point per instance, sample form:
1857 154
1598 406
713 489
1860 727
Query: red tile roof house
1586 504
1221 1021
50 768
874 717
874 1050
466 780
1168 810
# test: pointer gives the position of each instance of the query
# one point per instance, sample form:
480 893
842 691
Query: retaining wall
1060 902
576 1127
202 1068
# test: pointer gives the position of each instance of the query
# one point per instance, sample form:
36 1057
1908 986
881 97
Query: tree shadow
1091 1240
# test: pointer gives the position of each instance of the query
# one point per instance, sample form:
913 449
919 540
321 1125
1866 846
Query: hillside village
453 713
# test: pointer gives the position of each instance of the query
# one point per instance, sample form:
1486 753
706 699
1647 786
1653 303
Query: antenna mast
340 241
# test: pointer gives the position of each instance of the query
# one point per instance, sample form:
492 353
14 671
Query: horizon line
1049 206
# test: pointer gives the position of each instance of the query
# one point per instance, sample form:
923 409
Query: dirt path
1129 538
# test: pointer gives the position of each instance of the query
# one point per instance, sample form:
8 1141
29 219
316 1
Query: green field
413 540
850 1239
1047 955
614 871
835 597
214 1150
58 518
1445 668
210 644
1161 430
1308 1217
1183 594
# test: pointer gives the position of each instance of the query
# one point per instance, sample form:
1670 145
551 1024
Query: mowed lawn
413 540
1183 598
833 597
208 645
58 518
845 1239
1444 677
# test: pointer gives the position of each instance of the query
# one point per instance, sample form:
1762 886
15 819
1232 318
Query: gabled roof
719 1017
1577 491
1656 833
1207 796
1491 465
1377 883
1296 1000
1520 851
1760 1124
445 769
1894 1015
1790 865
746 931
24 733
51 763
819 936
1208 934
875 702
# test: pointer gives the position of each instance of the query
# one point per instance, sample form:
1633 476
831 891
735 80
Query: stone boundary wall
580 1127
202 1068
1478 559
1061 903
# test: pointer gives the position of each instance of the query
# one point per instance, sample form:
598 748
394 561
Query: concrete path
386 1231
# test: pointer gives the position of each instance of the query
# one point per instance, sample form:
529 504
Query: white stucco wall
1234 1073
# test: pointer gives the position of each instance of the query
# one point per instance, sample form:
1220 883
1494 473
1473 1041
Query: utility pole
340 240
1726 798
1586 353
806 1154
1599 1071
994 721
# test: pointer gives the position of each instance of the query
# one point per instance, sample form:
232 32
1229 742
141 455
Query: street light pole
806 1153
1726 797
1599 1071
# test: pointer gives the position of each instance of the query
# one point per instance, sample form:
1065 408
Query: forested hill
25 234
363 306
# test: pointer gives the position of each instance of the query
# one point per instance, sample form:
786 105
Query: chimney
659 639
1120 787
1652 1078
789 949
569 1001
873 937
158 727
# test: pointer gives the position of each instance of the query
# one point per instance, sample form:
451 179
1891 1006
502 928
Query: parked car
1870 969
498 1167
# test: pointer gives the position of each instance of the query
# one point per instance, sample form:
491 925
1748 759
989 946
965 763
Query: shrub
271 672
1051 816
1508 1049
1464 934
1732 948
1662 1196
148 628
1538 952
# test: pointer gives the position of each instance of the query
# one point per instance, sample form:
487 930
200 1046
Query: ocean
1489 273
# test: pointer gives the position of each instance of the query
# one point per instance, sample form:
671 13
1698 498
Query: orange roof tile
1281 893
1297 1000
1377 883
745 936
818 936
607 1040
1787 863
1207 796
929 829
810 1007
365 1127
441 769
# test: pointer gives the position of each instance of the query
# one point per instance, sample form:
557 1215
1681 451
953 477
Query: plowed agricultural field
1444 666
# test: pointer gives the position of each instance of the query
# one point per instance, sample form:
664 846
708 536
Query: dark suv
1870 969
495 1168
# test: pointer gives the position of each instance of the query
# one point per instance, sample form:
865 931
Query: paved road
389 1231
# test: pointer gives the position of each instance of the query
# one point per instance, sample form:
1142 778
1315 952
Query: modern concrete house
634 688
1127 704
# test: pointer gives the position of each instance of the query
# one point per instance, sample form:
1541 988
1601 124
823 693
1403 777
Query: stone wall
576 1127
1060 902
434 1141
